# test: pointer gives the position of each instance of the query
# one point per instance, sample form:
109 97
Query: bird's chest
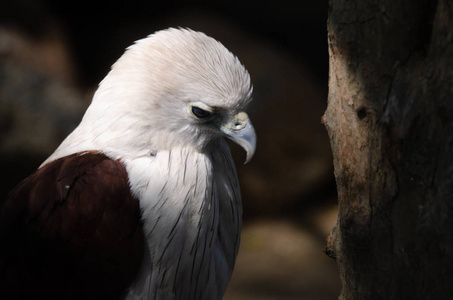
192 217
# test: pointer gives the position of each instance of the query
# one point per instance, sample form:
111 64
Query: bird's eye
200 113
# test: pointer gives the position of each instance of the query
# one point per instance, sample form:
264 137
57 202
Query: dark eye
200 113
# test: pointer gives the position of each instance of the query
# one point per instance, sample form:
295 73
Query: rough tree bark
390 123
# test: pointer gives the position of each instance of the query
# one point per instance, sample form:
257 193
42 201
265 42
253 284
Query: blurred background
54 53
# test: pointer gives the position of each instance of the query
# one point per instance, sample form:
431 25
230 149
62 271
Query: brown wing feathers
72 230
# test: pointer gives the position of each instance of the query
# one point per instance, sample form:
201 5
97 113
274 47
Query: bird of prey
141 200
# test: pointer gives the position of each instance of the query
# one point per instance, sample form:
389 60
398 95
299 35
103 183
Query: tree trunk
390 123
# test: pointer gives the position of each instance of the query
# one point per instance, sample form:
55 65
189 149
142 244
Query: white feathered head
177 87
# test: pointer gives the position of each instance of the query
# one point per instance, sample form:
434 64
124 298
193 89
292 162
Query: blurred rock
279 260
293 157
39 104
46 53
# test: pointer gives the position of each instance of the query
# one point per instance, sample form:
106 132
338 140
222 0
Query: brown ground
282 260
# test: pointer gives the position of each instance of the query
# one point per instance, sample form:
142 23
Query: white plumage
164 110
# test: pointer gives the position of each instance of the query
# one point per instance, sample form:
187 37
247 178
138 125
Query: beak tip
248 157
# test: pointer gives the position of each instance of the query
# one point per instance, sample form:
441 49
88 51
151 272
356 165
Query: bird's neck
191 209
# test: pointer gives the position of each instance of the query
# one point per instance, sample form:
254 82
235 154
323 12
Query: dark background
299 27
54 53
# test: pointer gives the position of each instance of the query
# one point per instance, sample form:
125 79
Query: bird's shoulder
74 217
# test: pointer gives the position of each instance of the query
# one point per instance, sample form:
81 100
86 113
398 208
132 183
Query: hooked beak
240 130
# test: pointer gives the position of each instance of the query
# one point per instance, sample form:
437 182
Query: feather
72 230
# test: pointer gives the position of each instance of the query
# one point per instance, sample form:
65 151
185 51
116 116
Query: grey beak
240 130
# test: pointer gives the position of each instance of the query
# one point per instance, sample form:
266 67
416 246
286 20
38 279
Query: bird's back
72 230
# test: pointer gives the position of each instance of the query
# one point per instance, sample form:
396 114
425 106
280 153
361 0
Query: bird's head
174 88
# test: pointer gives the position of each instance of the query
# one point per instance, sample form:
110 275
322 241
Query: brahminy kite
141 200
